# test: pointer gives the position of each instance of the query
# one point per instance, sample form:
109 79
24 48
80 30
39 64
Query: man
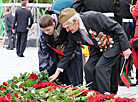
99 65
110 8
21 17
8 28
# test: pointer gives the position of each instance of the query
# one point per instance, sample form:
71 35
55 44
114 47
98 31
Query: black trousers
21 43
114 76
98 70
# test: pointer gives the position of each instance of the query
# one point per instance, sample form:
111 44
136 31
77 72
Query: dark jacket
46 54
8 18
21 17
125 4
98 23
103 6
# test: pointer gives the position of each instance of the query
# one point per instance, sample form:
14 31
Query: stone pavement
11 65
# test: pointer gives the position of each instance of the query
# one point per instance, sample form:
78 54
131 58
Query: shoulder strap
114 1
131 2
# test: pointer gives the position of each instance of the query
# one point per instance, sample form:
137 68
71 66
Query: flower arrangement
35 87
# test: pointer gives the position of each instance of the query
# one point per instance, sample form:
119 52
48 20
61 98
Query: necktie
86 37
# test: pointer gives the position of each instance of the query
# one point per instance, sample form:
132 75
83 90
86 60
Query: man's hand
62 47
127 53
54 76
13 30
27 28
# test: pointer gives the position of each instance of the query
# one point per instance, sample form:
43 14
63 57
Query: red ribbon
56 50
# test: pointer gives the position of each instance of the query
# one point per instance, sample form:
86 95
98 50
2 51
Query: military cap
65 14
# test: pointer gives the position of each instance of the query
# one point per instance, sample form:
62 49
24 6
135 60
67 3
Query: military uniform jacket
125 4
103 6
99 23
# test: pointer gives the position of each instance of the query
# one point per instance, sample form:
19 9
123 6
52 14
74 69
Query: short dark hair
45 21
23 3
7 9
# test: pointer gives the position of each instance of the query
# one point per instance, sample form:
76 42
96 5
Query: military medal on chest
103 41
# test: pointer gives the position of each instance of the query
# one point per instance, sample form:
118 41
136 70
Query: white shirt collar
7 12
81 25
23 7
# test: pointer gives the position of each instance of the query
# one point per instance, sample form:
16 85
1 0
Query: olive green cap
65 14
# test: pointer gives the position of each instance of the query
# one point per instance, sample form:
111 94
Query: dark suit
103 6
99 66
8 28
21 17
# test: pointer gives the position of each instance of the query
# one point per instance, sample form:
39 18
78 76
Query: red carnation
91 99
2 88
8 95
28 101
49 89
3 99
15 100
4 84
22 87
54 87
23 101
33 76
75 93
16 95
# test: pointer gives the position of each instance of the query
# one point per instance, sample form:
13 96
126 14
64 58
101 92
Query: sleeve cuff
61 70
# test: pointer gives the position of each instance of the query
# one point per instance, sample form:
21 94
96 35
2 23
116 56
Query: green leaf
15 78
12 85
57 89
69 100
51 99
43 73
38 80
29 82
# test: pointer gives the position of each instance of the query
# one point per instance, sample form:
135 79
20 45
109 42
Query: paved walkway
11 65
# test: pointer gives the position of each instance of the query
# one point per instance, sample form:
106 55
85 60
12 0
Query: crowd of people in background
71 24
